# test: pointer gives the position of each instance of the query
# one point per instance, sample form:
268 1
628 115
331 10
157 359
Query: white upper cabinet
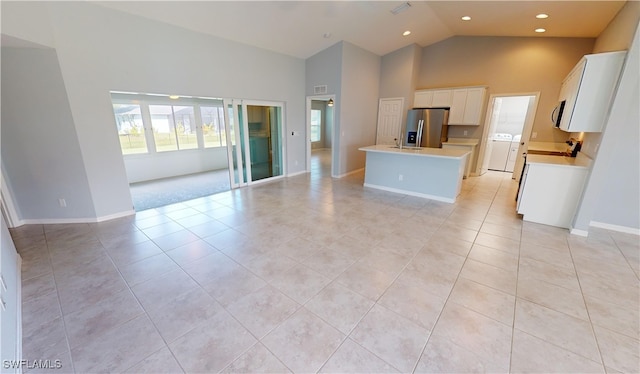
588 91
474 105
423 99
458 100
437 98
441 98
467 105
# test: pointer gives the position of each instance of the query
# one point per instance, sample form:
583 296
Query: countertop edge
415 153
560 161
460 141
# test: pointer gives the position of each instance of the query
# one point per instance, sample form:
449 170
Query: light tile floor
311 274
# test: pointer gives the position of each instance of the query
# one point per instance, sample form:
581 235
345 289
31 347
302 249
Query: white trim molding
297 173
416 194
350 173
608 226
57 221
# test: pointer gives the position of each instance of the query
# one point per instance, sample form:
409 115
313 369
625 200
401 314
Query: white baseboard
608 226
578 232
58 221
125 213
349 173
416 194
297 173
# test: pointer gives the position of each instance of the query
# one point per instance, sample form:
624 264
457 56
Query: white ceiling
297 28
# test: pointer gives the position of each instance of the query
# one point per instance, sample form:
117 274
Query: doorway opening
177 149
507 131
320 130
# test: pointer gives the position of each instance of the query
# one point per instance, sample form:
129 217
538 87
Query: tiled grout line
375 302
146 313
515 302
62 314
415 366
593 331
488 211
258 339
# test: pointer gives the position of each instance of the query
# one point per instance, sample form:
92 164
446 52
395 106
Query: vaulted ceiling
303 28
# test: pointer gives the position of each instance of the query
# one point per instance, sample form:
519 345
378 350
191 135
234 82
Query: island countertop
420 152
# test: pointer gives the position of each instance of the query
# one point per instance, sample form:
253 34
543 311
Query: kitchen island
432 173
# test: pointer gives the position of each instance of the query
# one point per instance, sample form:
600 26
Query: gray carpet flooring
161 192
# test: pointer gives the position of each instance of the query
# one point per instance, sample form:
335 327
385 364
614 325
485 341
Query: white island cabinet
551 188
432 173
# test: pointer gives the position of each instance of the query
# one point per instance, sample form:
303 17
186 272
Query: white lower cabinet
550 191
467 146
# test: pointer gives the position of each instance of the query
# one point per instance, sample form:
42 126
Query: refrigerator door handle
419 139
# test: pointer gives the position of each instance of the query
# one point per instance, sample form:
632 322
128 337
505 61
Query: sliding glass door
255 138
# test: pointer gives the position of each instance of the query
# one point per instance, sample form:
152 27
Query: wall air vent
320 90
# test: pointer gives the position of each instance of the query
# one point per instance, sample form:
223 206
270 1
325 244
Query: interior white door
493 115
490 131
526 134
390 111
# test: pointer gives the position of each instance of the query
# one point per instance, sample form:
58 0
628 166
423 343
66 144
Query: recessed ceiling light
406 33
542 16
466 18
540 30
326 35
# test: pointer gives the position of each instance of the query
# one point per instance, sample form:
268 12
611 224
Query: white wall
359 105
167 164
325 68
100 50
352 74
507 65
612 192
398 75
616 37
513 113
40 149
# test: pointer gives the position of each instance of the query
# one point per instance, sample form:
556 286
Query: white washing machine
500 151
513 153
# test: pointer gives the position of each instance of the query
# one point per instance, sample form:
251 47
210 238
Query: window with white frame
154 123
130 128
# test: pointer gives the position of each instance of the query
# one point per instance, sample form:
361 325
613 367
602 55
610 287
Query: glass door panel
264 130
241 138
232 137
254 137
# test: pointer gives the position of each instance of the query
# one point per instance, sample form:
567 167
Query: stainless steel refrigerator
426 127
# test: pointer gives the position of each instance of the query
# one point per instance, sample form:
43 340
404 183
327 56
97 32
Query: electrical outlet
400 177
465 132
62 202
296 162
534 135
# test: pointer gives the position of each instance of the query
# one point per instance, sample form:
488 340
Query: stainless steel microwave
556 115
